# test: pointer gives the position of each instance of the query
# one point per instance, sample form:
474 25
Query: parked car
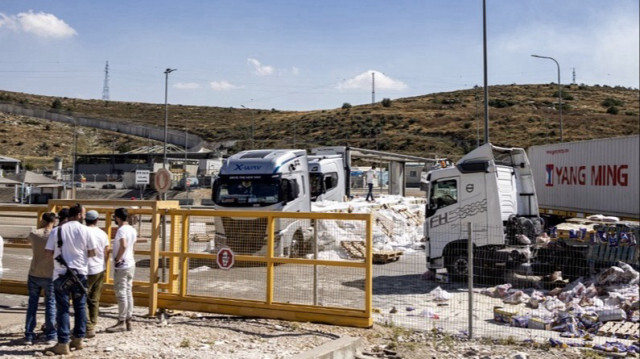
192 182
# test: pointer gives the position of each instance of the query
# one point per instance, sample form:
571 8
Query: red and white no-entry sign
225 258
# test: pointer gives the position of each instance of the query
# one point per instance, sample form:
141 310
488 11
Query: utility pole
486 86
166 120
373 88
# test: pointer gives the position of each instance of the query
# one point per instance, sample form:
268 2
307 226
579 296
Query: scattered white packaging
440 295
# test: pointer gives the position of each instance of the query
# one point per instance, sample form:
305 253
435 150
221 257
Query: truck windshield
245 191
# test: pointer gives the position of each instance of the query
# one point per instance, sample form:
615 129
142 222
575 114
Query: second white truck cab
327 176
492 188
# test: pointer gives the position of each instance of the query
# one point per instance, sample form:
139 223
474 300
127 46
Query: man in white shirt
75 247
371 176
96 271
124 269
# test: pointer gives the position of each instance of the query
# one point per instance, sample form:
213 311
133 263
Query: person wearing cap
75 246
95 271
124 269
41 278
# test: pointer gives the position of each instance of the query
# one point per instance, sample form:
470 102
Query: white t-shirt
129 235
371 175
96 263
76 241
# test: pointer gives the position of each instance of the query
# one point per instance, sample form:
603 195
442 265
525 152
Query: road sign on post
225 258
142 177
162 180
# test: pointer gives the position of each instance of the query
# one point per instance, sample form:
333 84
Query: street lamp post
166 120
252 128
559 89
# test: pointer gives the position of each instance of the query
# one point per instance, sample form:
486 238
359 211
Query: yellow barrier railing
172 291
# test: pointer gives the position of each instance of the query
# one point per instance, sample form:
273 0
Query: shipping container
577 179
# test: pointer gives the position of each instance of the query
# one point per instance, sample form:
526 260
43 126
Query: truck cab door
442 217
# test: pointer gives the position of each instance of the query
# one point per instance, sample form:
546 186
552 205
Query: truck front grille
245 236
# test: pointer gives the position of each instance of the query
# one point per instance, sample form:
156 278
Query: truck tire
299 247
457 267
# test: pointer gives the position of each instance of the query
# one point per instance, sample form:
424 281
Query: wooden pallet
384 257
201 237
356 250
412 218
386 224
623 330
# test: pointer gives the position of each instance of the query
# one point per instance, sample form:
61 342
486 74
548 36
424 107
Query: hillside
442 123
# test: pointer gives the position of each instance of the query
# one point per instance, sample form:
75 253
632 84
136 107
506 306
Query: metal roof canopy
386 156
396 164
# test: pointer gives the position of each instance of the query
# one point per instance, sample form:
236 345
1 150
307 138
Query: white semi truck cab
263 180
327 174
492 188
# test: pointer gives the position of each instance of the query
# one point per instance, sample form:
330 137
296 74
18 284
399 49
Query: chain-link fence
576 284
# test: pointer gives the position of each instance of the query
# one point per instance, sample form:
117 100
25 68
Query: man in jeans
75 247
96 271
41 278
125 266
370 177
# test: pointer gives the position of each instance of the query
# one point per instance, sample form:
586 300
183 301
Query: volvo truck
492 188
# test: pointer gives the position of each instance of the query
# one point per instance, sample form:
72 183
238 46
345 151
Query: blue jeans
34 285
62 310
370 192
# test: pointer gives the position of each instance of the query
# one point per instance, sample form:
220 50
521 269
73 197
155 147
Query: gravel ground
199 335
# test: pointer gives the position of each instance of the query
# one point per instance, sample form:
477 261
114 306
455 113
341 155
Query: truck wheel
457 268
298 246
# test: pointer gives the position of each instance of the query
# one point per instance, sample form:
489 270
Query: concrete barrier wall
146 131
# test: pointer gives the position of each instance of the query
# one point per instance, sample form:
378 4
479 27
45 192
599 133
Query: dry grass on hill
444 123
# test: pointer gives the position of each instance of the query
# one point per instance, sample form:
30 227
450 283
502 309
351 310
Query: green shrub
610 102
386 102
56 104
613 110
500 103
346 106
565 95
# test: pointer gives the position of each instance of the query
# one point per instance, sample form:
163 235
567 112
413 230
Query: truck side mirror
430 211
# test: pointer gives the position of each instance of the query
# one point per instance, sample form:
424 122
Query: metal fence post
315 266
470 276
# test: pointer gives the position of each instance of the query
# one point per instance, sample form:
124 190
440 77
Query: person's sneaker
58 349
128 324
118 327
91 333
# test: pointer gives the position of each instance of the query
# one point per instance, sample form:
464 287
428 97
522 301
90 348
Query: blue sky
308 55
